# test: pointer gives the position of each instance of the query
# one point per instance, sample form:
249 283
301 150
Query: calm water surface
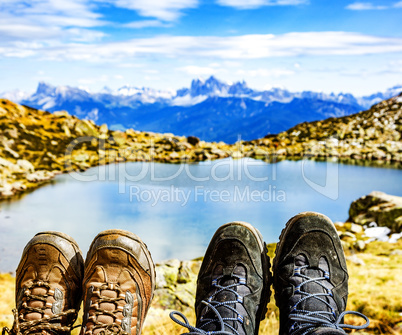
175 209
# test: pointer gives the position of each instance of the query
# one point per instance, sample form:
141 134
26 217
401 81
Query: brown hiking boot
48 285
118 284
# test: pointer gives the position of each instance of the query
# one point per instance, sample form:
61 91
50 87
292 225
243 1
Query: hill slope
375 134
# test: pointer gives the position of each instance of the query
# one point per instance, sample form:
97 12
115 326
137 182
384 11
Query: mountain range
210 109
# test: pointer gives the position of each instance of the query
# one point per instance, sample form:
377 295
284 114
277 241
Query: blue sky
320 45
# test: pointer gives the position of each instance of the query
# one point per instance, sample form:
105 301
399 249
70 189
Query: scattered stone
355 260
360 245
355 228
384 209
394 238
378 233
176 284
348 236
193 140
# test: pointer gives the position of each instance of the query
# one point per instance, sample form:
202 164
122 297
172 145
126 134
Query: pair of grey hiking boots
233 288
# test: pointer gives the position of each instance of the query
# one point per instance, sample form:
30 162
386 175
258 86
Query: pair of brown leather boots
116 285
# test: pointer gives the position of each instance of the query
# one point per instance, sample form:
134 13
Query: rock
176 284
82 157
119 138
339 225
218 152
394 238
39 176
6 190
174 155
6 163
25 165
355 260
360 245
103 129
66 130
348 236
354 228
384 209
259 153
236 155
86 128
61 114
193 140
378 233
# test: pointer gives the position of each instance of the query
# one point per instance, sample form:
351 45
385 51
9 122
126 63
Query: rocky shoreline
36 145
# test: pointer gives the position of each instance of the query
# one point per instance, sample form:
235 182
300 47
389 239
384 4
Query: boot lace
307 321
21 326
117 327
213 305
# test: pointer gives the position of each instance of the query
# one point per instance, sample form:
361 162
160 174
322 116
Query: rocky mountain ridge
372 135
227 111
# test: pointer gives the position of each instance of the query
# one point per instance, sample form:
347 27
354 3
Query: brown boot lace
51 324
123 305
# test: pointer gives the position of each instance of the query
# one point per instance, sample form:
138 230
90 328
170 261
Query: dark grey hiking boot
48 286
233 283
311 278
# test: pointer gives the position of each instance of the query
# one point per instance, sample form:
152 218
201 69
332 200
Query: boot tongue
224 295
314 287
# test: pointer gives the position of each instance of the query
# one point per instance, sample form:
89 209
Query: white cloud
145 24
252 4
214 48
398 4
44 20
61 13
88 81
262 72
195 70
84 35
165 10
364 6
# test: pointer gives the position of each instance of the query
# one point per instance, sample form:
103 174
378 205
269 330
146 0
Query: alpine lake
176 208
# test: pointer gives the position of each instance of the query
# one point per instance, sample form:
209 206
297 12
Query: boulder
86 128
176 284
193 140
384 209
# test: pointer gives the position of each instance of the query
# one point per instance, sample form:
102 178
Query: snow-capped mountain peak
209 87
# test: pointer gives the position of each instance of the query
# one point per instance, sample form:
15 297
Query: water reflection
176 208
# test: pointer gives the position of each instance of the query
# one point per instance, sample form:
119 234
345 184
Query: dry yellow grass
374 289
7 294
